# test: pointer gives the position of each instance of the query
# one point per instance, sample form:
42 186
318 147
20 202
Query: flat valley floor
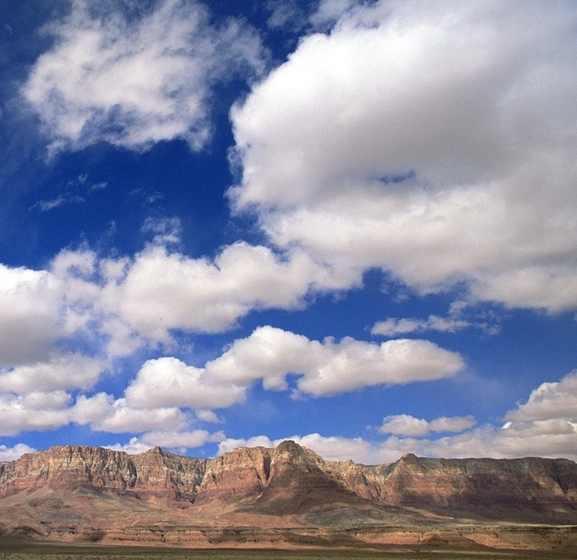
26 550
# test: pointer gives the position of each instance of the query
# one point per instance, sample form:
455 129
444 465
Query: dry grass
26 550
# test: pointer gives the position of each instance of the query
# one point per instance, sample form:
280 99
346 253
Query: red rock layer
293 480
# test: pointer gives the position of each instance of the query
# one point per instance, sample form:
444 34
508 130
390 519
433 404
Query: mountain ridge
69 491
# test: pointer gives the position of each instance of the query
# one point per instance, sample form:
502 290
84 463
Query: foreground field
21 550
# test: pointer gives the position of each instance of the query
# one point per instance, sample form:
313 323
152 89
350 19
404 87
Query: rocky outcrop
154 473
162 474
238 477
70 491
522 489
299 481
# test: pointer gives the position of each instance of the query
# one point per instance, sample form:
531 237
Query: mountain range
288 496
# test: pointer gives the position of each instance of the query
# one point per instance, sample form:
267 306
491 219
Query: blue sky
349 223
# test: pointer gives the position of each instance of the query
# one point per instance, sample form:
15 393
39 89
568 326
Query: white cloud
163 290
115 306
136 80
52 410
88 410
406 425
133 447
112 307
29 307
208 416
118 305
330 11
40 310
60 200
34 411
127 420
544 426
180 441
165 230
67 371
286 14
331 448
170 382
229 444
452 424
456 320
116 416
428 139
485 441
330 367
550 401
44 401
46 410
74 192
270 354
353 364
335 448
393 327
13 453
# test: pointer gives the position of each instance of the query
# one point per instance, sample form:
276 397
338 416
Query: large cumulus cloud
432 140
270 354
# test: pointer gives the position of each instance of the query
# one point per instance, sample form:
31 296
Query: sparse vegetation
94 535
26 550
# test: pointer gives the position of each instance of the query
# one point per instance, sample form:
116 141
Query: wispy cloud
288 14
135 80
59 201
407 425
459 317
74 192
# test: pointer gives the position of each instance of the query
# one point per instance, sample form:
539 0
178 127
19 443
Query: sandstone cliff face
68 467
532 488
300 480
162 474
292 480
238 476
154 473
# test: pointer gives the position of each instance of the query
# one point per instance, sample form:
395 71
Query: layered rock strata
76 490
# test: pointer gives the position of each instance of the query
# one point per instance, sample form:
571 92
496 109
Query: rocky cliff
522 489
73 489
154 473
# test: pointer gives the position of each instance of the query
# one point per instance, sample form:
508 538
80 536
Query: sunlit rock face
154 473
76 492
285 478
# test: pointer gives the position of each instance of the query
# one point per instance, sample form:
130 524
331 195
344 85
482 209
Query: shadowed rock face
495 488
71 489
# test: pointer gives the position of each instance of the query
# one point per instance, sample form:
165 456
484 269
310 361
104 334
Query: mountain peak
409 457
287 485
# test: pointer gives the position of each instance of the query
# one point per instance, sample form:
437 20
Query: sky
348 223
